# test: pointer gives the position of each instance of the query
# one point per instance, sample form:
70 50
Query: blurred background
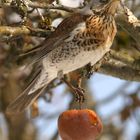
114 95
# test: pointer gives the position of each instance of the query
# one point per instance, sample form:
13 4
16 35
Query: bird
77 41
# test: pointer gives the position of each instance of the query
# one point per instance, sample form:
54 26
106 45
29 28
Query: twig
42 6
82 9
23 30
50 6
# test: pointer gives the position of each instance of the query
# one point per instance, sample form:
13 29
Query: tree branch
23 30
51 6
126 59
82 9
130 23
42 6
120 70
132 31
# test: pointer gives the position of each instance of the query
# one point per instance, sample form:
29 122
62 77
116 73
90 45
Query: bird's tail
30 94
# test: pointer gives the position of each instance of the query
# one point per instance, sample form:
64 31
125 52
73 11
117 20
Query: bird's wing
56 38
53 40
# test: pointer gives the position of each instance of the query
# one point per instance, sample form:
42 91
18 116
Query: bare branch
23 30
120 70
50 6
126 59
82 9
42 6
130 23
133 32
131 17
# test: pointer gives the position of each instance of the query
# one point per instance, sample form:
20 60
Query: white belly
78 61
82 59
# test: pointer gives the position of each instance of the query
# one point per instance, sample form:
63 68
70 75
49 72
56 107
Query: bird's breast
70 58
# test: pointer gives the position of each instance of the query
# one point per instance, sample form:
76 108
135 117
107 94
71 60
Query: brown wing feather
24 100
54 39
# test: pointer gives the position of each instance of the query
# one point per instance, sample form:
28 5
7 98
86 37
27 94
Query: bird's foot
77 91
79 94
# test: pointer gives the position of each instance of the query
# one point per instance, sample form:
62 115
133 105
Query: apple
81 124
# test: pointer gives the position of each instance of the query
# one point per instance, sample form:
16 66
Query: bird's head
111 7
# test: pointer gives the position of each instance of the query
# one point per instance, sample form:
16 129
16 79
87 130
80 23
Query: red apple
79 125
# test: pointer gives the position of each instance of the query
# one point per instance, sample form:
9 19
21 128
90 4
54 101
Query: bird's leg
82 91
78 91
